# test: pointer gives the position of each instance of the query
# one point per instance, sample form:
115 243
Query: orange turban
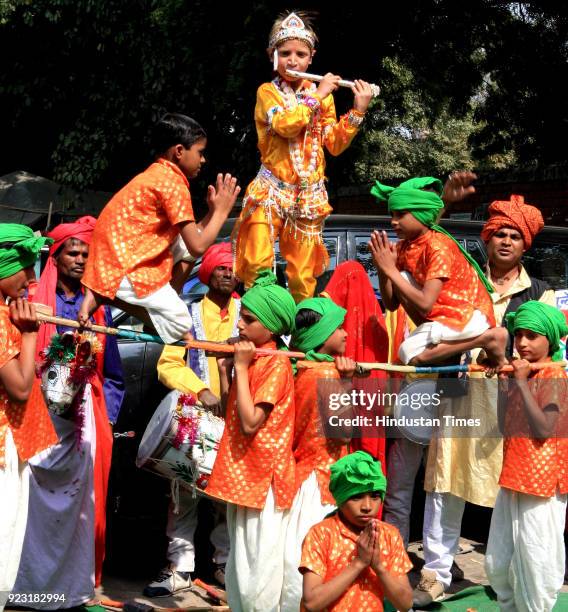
219 254
526 219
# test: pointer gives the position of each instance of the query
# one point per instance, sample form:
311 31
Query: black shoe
167 583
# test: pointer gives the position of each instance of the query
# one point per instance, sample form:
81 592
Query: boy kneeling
351 560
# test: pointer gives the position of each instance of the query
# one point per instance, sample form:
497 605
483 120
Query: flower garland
299 154
188 421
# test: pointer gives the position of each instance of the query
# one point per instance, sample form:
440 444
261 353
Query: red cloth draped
367 337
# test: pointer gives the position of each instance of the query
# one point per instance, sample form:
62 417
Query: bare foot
91 302
494 341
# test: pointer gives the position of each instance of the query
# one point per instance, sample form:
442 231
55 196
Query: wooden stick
211 347
388 367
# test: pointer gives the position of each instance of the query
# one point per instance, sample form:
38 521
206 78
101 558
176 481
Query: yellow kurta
469 468
172 369
276 205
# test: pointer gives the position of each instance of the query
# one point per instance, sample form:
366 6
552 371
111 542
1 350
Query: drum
58 391
416 410
181 442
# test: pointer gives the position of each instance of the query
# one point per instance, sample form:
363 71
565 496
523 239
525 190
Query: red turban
82 229
526 219
219 254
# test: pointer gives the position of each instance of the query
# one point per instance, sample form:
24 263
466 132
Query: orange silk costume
279 204
135 230
329 548
434 255
537 466
29 423
312 450
248 465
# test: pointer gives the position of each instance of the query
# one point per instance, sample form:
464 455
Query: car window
548 262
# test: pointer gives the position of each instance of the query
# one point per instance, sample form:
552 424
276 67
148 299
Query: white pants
434 333
168 312
525 552
14 490
255 569
443 514
306 511
181 531
403 461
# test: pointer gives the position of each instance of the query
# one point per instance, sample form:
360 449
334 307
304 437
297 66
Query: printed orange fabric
330 546
29 423
312 450
537 466
135 230
434 255
247 465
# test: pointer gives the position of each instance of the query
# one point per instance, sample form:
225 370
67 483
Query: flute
375 89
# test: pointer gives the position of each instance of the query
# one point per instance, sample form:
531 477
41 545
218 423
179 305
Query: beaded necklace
302 150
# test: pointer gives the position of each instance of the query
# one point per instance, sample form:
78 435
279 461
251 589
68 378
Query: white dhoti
58 556
13 515
255 568
525 552
168 312
433 333
307 510
181 532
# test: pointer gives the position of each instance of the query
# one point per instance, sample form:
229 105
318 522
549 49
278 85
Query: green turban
356 474
410 195
271 304
541 319
308 339
19 248
426 206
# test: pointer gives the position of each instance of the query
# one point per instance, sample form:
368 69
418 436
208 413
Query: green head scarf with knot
356 474
19 248
308 339
541 319
271 304
426 206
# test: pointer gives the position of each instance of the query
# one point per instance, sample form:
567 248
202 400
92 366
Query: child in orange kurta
351 560
287 200
254 469
25 425
440 286
149 225
525 551
318 332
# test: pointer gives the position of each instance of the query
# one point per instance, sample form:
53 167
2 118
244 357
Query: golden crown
292 28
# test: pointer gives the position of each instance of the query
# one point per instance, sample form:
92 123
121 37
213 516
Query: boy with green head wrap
25 425
525 550
351 560
448 296
319 334
254 469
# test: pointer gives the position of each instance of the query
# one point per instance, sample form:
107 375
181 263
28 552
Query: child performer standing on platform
319 333
254 469
148 226
438 283
525 550
288 200
351 560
